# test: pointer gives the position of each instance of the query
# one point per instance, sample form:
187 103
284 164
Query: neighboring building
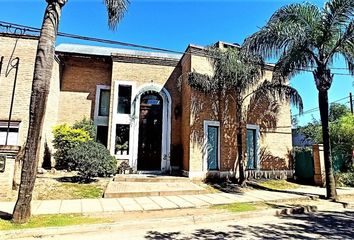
144 109
300 140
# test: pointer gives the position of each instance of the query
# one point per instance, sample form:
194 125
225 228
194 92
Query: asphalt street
320 225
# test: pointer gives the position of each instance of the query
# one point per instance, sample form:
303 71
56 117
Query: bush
345 179
92 159
87 125
66 138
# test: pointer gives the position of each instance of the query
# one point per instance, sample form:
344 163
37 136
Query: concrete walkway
151 203
107 205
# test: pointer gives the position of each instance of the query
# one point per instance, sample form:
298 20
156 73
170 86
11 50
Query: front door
150 132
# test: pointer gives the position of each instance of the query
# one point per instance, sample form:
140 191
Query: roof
106 51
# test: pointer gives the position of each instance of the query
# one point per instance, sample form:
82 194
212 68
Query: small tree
240 73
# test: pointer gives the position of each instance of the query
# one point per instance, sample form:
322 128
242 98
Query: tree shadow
75 179
255 185
5 216
165 236
327 225
226 186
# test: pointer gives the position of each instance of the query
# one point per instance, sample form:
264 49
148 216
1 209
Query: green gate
304 169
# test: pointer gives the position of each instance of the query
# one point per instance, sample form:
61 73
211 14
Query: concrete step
148 178
144 189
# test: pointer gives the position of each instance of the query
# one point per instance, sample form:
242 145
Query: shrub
87 125
92 159
345 179
66 138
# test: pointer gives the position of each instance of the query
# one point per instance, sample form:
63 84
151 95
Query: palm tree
238 74
40 88
305 37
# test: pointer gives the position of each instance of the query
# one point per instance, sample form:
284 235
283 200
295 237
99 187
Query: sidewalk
106 205
151 203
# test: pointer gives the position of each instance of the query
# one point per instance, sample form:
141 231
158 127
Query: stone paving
156 203
147 203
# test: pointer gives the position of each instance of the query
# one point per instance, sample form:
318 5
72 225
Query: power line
312 110
23 29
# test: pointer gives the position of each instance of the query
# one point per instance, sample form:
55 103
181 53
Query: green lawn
279 184
240 207
53 221
72 191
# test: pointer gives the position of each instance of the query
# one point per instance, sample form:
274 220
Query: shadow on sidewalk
260 187
328 225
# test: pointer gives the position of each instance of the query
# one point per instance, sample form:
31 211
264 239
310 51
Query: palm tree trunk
330 182
241 168
40 88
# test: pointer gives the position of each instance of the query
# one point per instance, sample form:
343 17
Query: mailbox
2 163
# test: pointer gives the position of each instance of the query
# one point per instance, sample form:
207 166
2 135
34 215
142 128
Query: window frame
101 120
122 118
13 125
257 145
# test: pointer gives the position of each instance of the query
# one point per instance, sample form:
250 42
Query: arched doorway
150 131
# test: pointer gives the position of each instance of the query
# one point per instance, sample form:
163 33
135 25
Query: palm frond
339 42
293 61
233 70
288 26
115 10
336 13
202 82
280 92
347 51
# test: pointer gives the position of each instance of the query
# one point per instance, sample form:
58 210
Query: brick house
144 110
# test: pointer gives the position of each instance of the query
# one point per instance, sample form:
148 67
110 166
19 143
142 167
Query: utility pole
351 102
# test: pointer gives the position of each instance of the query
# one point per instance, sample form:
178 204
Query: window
122 139
104 100
124 99
212 145
252 146
12 138
102 135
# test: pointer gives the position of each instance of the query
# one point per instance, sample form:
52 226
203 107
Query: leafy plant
345 179
92 159
66 138
87 125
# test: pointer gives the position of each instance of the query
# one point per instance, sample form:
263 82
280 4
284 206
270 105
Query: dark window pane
251 149
102 134
104 102
213 147
122 139
124 99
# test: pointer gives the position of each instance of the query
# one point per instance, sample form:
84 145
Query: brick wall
80 76
51 116
273 118
145 73
24 48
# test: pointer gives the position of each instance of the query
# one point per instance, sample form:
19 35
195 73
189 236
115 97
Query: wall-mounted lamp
177 111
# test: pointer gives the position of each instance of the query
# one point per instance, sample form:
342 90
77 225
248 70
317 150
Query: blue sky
174 24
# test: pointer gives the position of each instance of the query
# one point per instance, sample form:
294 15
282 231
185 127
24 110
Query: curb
148 223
